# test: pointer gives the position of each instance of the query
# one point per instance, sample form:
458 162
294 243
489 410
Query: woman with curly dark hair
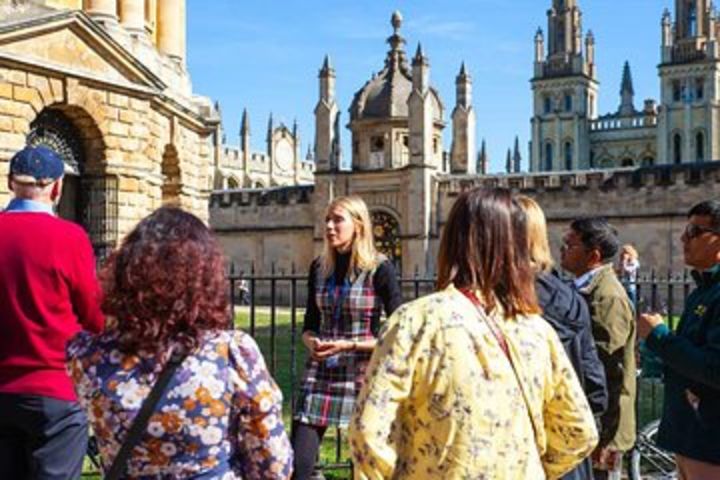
220 415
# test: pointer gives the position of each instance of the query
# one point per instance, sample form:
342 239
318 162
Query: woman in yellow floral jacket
470 382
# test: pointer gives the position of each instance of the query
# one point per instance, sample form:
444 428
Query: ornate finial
463 72
326 63
396 21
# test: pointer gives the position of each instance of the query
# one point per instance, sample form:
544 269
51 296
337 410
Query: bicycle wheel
648 461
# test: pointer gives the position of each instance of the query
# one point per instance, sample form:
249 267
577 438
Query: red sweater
48 292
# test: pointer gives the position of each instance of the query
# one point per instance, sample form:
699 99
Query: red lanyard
494 327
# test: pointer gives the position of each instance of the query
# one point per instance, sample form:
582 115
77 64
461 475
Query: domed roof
386 94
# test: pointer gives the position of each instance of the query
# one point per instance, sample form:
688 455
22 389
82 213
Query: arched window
233 183
548 157
53 129
700 147
628 162
568 103
648 161
386 233
677 148
568 156
592 159
547 104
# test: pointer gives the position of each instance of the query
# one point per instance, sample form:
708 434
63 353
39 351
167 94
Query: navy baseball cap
36 165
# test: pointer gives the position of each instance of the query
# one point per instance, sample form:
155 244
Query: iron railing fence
270 308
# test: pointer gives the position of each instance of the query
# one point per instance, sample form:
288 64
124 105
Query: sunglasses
692 231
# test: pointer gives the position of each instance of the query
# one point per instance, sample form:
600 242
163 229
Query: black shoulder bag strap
117 469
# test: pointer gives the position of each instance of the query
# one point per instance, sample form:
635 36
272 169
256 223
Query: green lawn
282 372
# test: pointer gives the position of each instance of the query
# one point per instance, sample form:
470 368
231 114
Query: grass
282 371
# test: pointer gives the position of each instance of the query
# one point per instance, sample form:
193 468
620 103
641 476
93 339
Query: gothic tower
565 91
689 118
326 119
462 153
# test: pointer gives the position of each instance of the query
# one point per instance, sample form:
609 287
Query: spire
564 29
482 167
627 83
295 128
309 156
270 134
463 88
627 93
419 57
508 162
539 45
327 65
517 158
463 72
245 124
420 70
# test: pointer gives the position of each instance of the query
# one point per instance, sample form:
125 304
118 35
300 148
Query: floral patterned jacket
219 418
441 399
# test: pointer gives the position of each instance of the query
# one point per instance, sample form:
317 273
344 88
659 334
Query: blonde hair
363 256
630 250
538 244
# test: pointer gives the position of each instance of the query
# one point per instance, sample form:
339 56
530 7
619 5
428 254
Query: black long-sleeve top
385 284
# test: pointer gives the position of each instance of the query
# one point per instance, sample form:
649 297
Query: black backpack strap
117 469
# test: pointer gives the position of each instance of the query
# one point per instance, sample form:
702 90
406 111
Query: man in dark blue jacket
690 425
566 310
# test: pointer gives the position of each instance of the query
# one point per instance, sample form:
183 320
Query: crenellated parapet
301 194
664 176
279 210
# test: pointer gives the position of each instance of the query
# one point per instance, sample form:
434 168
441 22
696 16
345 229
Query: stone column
102 10
171 28
132 15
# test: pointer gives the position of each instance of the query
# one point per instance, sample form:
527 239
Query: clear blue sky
265 56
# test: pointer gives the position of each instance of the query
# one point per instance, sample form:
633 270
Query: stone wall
266 229
125 135
648 206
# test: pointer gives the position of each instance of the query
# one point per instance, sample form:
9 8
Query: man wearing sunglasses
588 249
690 425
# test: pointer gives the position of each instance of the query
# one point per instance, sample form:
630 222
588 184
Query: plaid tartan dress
329 388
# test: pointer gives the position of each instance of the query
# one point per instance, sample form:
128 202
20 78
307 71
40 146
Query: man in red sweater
48 292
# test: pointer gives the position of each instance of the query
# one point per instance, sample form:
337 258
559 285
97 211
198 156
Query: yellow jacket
441 400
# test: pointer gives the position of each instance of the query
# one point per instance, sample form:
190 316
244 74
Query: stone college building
105 82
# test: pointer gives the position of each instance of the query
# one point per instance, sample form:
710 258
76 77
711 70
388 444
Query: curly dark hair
166 283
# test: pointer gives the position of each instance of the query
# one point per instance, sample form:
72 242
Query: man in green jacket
587 252
690 425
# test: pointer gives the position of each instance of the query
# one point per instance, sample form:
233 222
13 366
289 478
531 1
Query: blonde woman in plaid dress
349 287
